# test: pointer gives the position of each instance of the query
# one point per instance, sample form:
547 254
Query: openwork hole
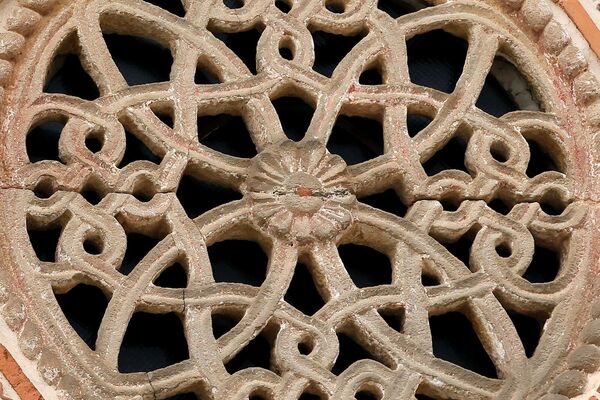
185 396
500 152
415 123
136 150
366 266
397 8
256 354
93 245
306 346
67 76
223 322
461 248
174 276
140 60
368 394
44 240
233 4
542 157
545 264
454 340
146 348
387 201
500 206
238 261
506 89
85 321
243 44
311 396
350 351
331 49
436 60
335 6
207 73
94 142
552 203
42 140
356 138
172 6
302 292
504 250
428 279
283 6
138 246
226 133
372 75
197 196
450 157
529 327
45 188
394 317
295 115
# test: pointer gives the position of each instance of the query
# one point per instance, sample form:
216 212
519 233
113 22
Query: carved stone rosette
300 202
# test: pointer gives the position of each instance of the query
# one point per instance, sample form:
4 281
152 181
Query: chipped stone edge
562 42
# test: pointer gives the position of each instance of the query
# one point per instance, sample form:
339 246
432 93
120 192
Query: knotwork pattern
298 201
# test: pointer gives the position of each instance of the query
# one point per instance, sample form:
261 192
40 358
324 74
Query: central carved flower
300 191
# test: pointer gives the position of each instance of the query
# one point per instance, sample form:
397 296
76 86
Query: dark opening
429 279
336 7
367 395
92 195
331 49
84 320
436 59
454 340
394 317
45 242
302 292
138 246
243 44
544 266
206 74
451 156
295 116
529 329
366 266
238 261
223 323
152 341
283 6
541 159
174 276
499 206
349 353
371 76
286 53
93 246
257 354
42 141
172 6
136 150
461 249
387 201
233 4
356 139
397 8
94 144
70 78
139 59
494 99
415 123
227 134
197 196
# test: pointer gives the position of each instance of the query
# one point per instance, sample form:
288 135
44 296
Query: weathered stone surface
300 202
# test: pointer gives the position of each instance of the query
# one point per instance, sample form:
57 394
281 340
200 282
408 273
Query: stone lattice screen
284 200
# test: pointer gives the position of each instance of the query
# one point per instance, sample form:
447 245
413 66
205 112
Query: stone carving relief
495 216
